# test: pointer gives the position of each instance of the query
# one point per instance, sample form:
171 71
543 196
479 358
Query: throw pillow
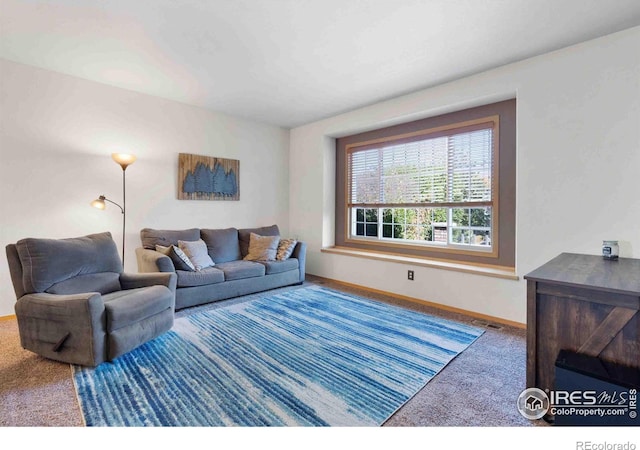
285 249
197 253
244 236
180 260
262 248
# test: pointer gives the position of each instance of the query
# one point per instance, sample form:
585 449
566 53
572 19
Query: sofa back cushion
69 266
245 236
223 244
150 237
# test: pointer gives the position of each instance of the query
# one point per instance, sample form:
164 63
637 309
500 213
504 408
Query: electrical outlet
410 275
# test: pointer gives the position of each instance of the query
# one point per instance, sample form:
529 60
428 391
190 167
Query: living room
578 136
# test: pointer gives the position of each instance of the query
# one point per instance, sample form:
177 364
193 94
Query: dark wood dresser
585 304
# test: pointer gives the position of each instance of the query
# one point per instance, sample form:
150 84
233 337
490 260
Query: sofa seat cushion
238 270
129 307
272 267
210 275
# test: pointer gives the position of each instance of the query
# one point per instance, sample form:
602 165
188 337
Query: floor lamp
124 160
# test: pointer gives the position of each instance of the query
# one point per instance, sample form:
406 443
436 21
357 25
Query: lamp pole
124 210
124 160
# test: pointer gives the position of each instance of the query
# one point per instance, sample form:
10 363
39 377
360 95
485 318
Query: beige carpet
34 391
478 388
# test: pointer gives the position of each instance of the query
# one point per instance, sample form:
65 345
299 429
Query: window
432 188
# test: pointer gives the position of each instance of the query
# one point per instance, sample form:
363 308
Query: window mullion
381 175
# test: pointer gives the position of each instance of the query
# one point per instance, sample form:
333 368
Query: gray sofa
75 304
231 276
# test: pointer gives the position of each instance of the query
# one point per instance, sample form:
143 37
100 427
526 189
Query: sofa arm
138 280
68 328
153 261
300 252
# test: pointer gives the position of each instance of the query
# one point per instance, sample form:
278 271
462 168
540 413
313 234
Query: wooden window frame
446 130
502 253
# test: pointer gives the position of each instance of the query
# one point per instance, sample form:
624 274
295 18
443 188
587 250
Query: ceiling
291 62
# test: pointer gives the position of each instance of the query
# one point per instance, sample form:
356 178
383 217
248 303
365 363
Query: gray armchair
75 305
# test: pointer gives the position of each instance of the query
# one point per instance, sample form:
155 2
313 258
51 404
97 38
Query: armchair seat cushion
238 270
104 283
272 267
210 275
129 307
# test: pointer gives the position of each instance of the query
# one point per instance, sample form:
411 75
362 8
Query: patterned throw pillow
196 251
285 249
262 248
180 260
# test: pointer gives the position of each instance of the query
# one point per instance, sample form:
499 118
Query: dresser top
620 275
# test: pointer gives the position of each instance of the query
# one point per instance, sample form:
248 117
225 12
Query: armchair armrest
137 280
56 307
300 252
153 261
67 328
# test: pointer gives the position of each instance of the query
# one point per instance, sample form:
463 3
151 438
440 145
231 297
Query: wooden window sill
476 269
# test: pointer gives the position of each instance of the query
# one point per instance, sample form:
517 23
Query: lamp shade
99 203
124 159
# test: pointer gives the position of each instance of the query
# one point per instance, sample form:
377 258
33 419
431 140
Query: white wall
56 137
578 170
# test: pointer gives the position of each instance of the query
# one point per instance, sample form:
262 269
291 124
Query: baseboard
452 309
405 298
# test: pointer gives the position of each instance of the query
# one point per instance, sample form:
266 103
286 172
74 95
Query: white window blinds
446 170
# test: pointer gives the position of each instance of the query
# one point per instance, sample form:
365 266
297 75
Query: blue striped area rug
305 357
